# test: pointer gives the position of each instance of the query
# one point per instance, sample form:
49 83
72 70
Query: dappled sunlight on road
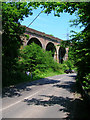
55 96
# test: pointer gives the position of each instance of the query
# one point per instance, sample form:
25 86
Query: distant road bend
51 97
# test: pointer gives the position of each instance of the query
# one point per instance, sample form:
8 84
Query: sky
57 26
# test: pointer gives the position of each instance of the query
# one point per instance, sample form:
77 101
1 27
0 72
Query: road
51 97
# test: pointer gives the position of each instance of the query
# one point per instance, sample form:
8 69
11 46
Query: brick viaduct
47 42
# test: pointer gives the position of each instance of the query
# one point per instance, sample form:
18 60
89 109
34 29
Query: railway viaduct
47 42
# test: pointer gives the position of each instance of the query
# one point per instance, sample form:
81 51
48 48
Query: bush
86 82
15 77
34 58
68 65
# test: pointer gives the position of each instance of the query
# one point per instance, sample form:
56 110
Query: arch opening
62 52
50 47
35 40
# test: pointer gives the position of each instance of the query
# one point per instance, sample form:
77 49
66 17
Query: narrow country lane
51 97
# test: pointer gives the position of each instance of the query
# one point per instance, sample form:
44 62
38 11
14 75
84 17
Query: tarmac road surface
51 97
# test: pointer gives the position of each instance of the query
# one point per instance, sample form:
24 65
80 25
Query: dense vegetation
33 57
80 43
13 13
13 70
37 61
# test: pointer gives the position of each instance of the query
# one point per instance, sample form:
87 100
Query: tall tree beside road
12 14
81 41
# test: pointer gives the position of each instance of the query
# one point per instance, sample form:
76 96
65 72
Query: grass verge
23 78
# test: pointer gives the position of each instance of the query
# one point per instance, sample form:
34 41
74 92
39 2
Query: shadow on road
14 91
18 89
75 109
73 76
70 86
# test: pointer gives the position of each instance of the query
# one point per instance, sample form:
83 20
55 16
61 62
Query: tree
80 43
33 57
12 14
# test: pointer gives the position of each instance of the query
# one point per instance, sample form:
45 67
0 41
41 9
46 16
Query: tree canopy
80 43
14 12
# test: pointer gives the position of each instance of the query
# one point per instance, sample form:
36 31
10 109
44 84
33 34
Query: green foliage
15 77
80 44
12 14
86 82
38 61
35 59
46 73
81 56
68 65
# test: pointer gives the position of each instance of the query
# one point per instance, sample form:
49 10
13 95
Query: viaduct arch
46 42
35 40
